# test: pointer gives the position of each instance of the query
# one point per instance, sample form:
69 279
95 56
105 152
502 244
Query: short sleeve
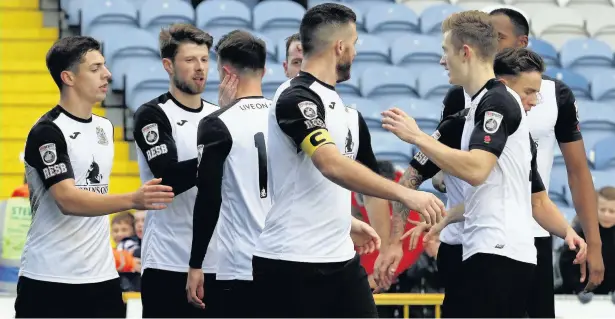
454 101
497 116
47 152
154 136
365 153
537 184
300 114
449 133
567 127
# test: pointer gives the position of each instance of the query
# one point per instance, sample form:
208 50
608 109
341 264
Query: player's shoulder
47 122
499 94
300 88
562 90
152 109
456 92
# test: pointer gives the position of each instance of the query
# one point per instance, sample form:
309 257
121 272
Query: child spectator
606 219
128 265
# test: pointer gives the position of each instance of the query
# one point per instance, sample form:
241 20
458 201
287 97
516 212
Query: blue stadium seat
277 19
371 51
370 110
121 52
223 13
144 81
274 77
433 83
387 84
109 12
388 147
546 50
597 121
73 11
391 21
602 179
367 5
603 86
350 87
426 113
359 12
312 3
585 56
603 154
577 83
416 52
155 14
558 185
432 17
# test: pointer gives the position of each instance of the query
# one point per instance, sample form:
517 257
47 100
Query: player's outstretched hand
400 124
195 290
227 90
415 233
386 264
152 195
425 203
364 237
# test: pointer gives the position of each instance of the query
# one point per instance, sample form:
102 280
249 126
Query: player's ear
167 64
465 51
68 78
523 41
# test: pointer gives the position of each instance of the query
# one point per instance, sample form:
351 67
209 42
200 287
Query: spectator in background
294 56
606 219
122 230
22 191
128 265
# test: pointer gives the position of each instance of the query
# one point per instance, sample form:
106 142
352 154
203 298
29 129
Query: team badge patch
199 148
102 136
48 153
492 122
436 135
308 110
150 133
421 158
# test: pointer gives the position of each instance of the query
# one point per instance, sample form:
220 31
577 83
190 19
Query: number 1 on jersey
259 143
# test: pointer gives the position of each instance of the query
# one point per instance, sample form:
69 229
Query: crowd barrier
566 306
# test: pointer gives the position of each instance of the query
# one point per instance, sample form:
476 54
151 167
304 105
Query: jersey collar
309 75
183 107
71 116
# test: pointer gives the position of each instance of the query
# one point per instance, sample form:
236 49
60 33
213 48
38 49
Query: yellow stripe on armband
315 140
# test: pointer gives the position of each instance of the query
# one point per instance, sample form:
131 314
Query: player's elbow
477 177
65 198
326 160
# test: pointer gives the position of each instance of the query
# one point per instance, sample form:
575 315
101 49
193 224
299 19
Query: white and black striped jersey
498 213
165 136
554 119
62 248
233 191
310 217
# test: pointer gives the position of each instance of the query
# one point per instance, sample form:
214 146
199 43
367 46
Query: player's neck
321 68
248 87
478 77
192 101
76 106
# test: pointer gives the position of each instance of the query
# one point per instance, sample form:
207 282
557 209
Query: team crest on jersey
349 145
48 153
308 110
150 133
492 122
436 135
199 149
102 136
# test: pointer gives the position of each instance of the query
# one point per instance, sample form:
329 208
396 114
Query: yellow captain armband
315 140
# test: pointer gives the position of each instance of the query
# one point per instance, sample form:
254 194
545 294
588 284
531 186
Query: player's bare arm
379 217
301 116
77 202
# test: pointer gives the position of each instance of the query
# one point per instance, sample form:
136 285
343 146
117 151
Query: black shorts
163 295
541 303
236 299
286 289
44 299
449 270
495 286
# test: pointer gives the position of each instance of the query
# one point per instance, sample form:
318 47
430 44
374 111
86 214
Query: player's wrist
420 138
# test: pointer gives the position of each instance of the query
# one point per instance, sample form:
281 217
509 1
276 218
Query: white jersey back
62 248
555 119
165 135
232 144
310 218
498 213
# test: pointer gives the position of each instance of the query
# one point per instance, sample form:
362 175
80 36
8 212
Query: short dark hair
123 217
513 61
326 14
242 50
170 38
522 27
387 169
290 40
67 53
